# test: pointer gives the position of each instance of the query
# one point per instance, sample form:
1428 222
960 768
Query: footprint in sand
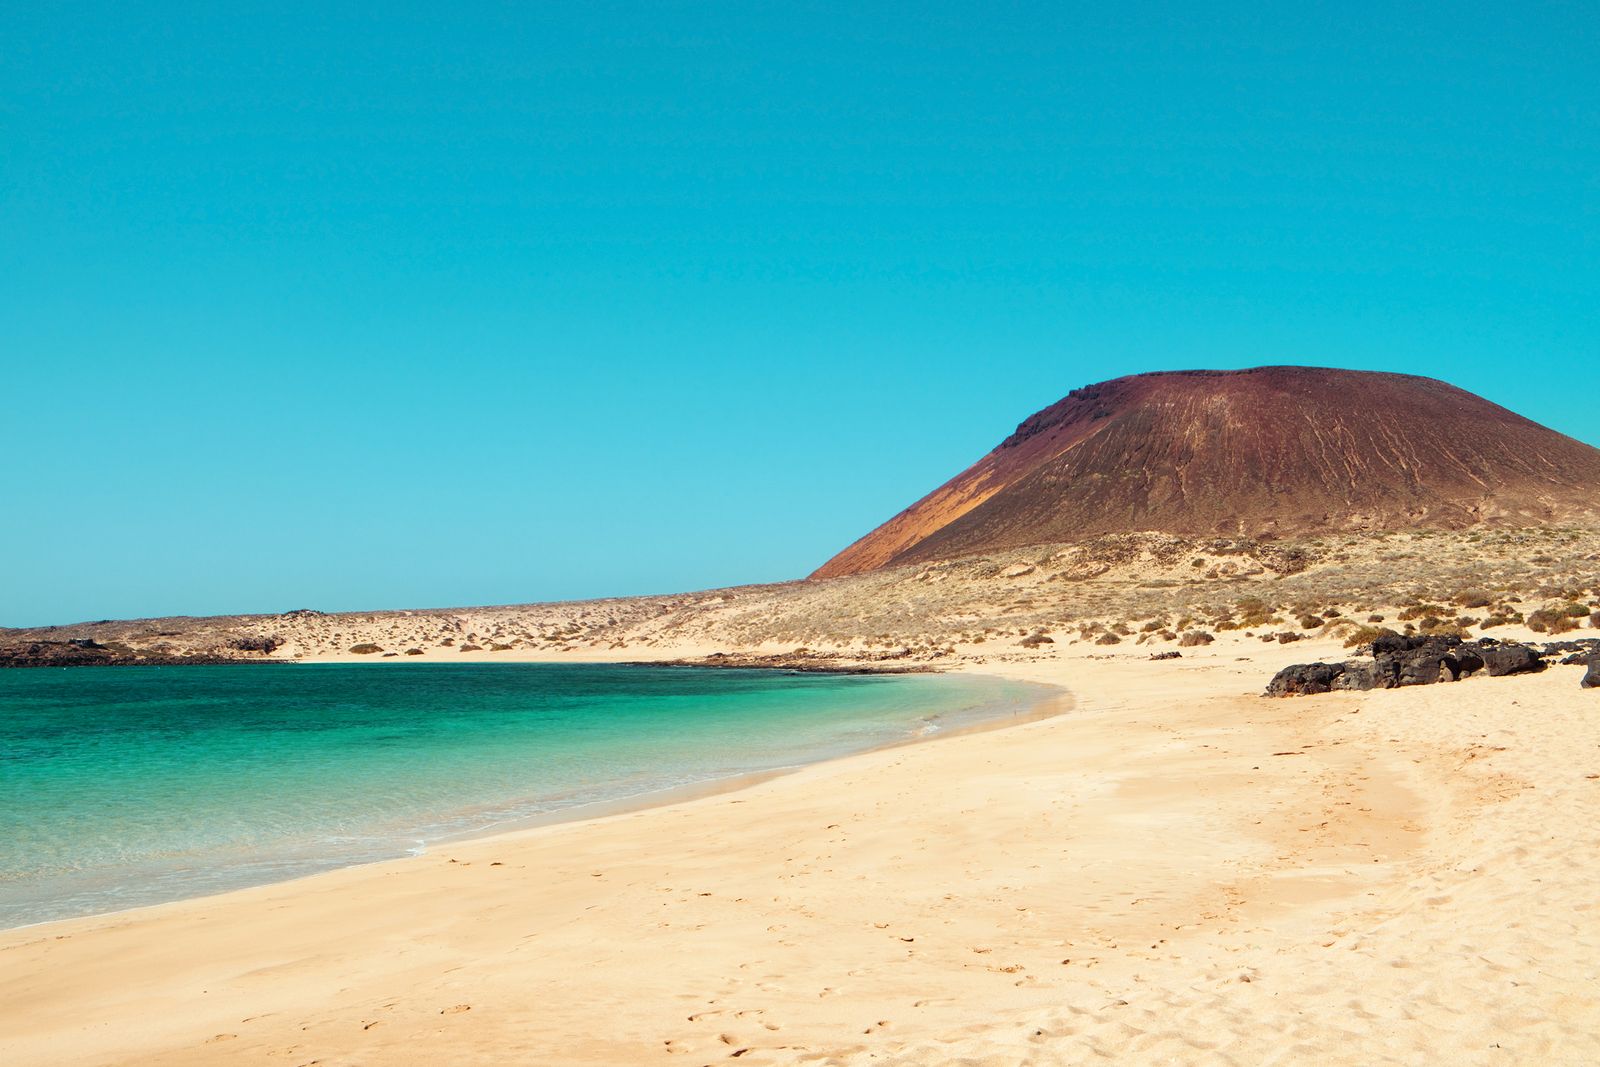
456 1009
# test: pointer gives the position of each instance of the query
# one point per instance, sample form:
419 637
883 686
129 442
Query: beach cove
1175 870
131 787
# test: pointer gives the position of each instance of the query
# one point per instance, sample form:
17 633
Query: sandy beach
1175 870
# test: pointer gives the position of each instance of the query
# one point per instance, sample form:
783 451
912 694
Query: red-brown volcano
1286 450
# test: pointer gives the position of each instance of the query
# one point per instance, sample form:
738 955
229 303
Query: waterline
125 787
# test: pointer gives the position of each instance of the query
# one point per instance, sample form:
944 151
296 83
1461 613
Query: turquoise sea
127 786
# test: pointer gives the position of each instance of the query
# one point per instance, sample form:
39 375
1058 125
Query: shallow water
128 786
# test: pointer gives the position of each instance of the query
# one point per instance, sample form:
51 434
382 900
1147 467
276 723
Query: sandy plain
1174 870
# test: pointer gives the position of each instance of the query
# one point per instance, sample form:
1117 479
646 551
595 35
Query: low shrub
1195 637
1551 621
1364 635
1108 639
366 648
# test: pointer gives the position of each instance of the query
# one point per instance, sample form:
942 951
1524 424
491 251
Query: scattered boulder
1360 676
1469 661
1174 654
1415 660
1304 679
1591 677
1581 648
1403 660
1507 657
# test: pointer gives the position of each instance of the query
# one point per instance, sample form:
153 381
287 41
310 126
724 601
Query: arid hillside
1147 592
1279 451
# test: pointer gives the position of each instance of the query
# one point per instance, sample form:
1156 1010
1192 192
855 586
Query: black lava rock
1304 679
1509 658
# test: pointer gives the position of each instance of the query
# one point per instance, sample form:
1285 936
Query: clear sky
365 306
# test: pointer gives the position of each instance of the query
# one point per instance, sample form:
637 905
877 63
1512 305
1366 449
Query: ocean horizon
134 786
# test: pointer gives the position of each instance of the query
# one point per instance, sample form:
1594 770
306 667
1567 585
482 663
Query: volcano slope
1271 451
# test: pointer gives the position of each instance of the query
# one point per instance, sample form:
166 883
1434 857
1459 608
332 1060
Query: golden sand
1176 870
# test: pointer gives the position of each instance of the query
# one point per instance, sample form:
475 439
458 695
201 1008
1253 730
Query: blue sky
390 306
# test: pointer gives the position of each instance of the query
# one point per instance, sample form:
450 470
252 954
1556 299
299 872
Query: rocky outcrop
1591 677
88 653
1509 658
805 660
264 645
1400 660
1305 679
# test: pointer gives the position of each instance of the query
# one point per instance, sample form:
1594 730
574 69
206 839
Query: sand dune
1174 871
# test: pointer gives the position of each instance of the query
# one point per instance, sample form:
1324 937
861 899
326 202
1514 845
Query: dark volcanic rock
1591 677
1402 660
1418 660
1469 661
1420 666
264 645
84 653
1304 679
1508 658
1362 675
805 661
56 654
1575 651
